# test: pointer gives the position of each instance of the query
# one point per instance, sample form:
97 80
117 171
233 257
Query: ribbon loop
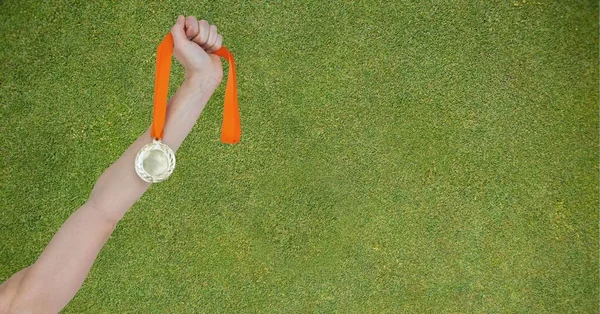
231 127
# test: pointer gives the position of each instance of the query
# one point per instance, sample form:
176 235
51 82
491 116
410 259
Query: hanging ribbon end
231 129
230 139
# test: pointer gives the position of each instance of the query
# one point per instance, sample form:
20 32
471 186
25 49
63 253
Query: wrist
201 81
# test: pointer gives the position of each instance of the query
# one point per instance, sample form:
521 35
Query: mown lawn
400 157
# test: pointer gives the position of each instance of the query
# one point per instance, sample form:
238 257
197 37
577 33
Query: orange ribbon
231 127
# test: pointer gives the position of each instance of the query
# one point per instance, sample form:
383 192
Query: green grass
432 157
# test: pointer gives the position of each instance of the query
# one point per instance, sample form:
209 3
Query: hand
194 42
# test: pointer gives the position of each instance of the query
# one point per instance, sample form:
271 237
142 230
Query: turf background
407 157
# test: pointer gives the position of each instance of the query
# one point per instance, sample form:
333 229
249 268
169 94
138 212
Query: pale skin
52 281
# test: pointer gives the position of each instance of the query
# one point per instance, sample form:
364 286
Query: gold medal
155 162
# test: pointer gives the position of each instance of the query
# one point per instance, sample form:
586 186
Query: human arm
52 281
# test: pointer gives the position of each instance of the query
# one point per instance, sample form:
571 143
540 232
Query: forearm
62 267
119 187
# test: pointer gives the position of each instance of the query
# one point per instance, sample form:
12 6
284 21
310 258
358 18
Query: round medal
155 162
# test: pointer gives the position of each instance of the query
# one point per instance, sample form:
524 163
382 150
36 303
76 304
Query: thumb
178 31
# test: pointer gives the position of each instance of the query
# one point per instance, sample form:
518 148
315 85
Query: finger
178 32
217 45
191 27
212 38
203 31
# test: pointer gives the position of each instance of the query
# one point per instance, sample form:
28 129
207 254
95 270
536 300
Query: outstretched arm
52 281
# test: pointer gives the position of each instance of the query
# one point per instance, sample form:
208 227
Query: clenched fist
195 41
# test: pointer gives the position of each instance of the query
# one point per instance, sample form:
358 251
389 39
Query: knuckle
200 39
191 32
190 21
210 42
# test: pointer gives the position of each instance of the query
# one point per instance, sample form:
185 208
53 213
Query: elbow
22 294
